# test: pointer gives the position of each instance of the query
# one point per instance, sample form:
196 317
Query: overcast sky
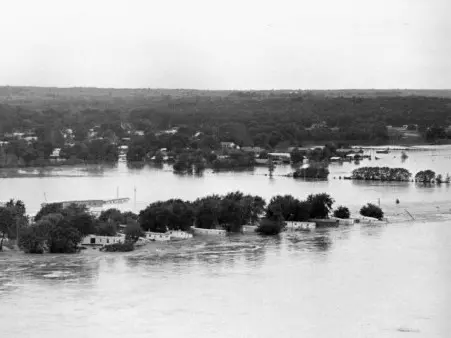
233 44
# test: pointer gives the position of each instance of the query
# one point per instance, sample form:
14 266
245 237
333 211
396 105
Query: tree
269 227
105 229
296 156
371 210
425 176
133 231
31 241
112 215
281 207
83 222
64 239
7 221
48 208
342 212
321 204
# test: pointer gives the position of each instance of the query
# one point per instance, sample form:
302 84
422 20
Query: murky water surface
360 281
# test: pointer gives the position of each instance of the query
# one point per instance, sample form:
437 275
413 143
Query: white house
204 232
30 139
229 145
295 226
179 234
157 236
101 240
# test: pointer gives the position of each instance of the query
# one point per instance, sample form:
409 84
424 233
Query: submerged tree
425 176
342 212
321 205
372 210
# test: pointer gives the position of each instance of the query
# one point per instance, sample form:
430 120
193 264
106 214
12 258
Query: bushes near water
269 227
312 172
342 212
127 246
371 210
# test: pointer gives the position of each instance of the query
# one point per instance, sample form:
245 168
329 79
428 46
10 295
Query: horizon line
226 90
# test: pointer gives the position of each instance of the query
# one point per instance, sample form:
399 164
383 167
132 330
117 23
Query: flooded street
360 281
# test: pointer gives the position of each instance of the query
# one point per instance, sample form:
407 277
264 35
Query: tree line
268 120
398 174
59 229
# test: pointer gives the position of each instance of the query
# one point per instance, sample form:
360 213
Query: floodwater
35 186
359 281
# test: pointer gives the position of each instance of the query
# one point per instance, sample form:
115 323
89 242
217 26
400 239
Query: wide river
389 280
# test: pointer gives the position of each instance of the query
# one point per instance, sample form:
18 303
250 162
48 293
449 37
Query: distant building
101 240
229 145
255 150
283 157
319 125
30 139
344 150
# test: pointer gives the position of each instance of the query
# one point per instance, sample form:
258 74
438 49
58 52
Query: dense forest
267 119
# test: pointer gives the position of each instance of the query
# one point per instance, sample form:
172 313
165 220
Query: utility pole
134 198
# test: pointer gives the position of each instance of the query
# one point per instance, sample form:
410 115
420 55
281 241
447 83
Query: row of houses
97 240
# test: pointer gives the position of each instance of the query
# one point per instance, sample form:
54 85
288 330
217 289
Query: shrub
342 212
269 227
119 247
371 210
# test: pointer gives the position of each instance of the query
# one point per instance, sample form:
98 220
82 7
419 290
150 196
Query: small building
101 240
255 150
229 145
296 226
261 161
209 232
344 150
55 153
283 157
179 234
30 139
157 236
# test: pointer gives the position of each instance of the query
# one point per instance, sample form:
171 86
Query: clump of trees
342 212
270 227
372 210
429 176
425 176
12 219
381 174
312 172
57 229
